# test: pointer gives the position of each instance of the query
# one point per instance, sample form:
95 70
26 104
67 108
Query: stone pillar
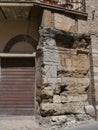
65 82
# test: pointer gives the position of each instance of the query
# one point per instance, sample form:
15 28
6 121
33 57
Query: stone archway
20 38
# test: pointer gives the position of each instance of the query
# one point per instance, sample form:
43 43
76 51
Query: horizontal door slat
27 83
16 106
17 86
31 98
16 89
13 100
18 70
17 112
16 92
15 79
16 96
16 102
18 74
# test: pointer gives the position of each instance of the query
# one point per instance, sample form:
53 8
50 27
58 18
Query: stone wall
91 27
64 69
59 21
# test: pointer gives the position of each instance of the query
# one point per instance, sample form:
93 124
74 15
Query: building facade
48 58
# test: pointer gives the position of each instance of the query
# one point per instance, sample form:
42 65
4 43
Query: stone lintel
54 33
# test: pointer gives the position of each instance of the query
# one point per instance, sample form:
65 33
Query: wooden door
17 86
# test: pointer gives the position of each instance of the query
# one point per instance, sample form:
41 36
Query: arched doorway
17 82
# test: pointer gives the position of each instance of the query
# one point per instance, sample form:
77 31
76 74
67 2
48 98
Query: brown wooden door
17 84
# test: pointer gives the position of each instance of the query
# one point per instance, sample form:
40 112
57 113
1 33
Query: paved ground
92 125
28 123
18 123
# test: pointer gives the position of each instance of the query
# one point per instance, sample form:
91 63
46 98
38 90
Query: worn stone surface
19 123
47 93
61 109
47 21
91 26
65 23
82 117
70 120
76 65
73 85
65 80
57 99
73 98
50 109
58 120
90 110
73 107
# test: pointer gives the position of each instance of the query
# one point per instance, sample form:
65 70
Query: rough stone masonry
64 88
64 70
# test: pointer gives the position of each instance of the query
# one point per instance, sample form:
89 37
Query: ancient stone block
49 42
49 80
50 71
65 23
73 107
47 21
90 110
57 99
60 109
82 26
83 62
73 65
57 89
73 85
50 109
73 98
51 55
46 93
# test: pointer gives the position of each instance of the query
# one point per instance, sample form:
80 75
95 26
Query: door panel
17 86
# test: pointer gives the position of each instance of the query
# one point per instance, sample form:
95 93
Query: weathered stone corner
65 83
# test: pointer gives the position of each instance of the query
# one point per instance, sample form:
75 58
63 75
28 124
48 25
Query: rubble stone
47 92
82 117
58 120
70 120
